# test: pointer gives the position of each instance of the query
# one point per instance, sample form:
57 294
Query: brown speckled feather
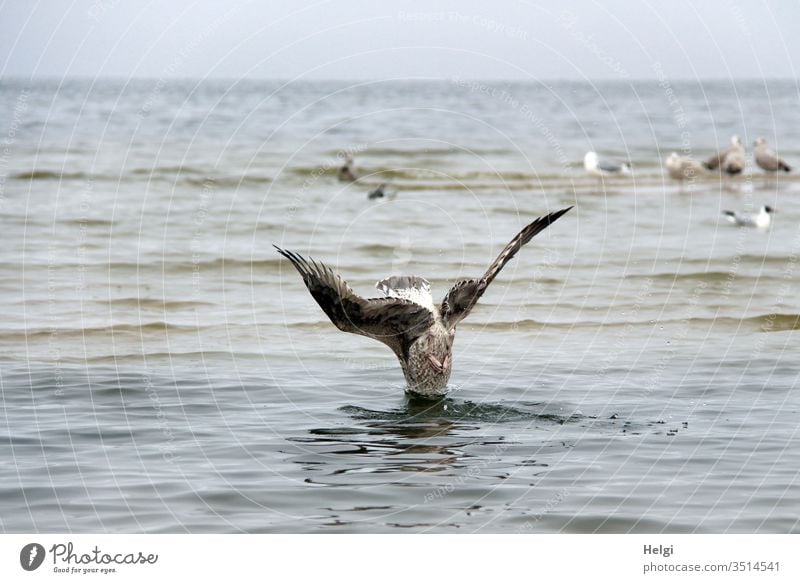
395 322
463 296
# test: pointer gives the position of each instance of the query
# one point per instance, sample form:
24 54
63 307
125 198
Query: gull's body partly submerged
760 221
419 332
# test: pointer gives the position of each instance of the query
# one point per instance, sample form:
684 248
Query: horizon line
392 79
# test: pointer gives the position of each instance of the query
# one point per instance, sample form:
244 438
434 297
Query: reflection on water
430 436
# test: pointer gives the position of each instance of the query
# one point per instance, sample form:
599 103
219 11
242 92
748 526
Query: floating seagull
406 320
348 172
762 220
381 192
683 168
767 159
730 160
594 166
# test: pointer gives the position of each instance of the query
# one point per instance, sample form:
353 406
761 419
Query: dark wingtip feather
297 261
558 214
554 216
541 224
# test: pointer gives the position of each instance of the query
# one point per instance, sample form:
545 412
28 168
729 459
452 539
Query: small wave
762 323
527 324
187 175
229 264
376 248
171 357
411 153
86 222
199 177
82 333
52 175
229 181
171 170
770 260
771 322
706 276
235 264
157 303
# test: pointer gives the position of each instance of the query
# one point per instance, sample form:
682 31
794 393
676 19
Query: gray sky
354 39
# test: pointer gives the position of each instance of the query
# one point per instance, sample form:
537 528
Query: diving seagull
593 165
767 159
762 220
348 171
683 168
731 160
419 332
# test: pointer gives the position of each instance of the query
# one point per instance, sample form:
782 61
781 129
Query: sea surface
163 369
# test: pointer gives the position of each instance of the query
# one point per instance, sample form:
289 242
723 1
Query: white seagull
419 332
593 165
761 221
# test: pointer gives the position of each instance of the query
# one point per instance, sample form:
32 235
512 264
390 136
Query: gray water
634 369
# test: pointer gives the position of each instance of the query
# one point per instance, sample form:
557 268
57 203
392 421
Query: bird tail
398 282
730 215
407 287
785 167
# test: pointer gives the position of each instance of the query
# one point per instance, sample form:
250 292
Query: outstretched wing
395 322
463 296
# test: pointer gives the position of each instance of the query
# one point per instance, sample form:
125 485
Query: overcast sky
350 39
